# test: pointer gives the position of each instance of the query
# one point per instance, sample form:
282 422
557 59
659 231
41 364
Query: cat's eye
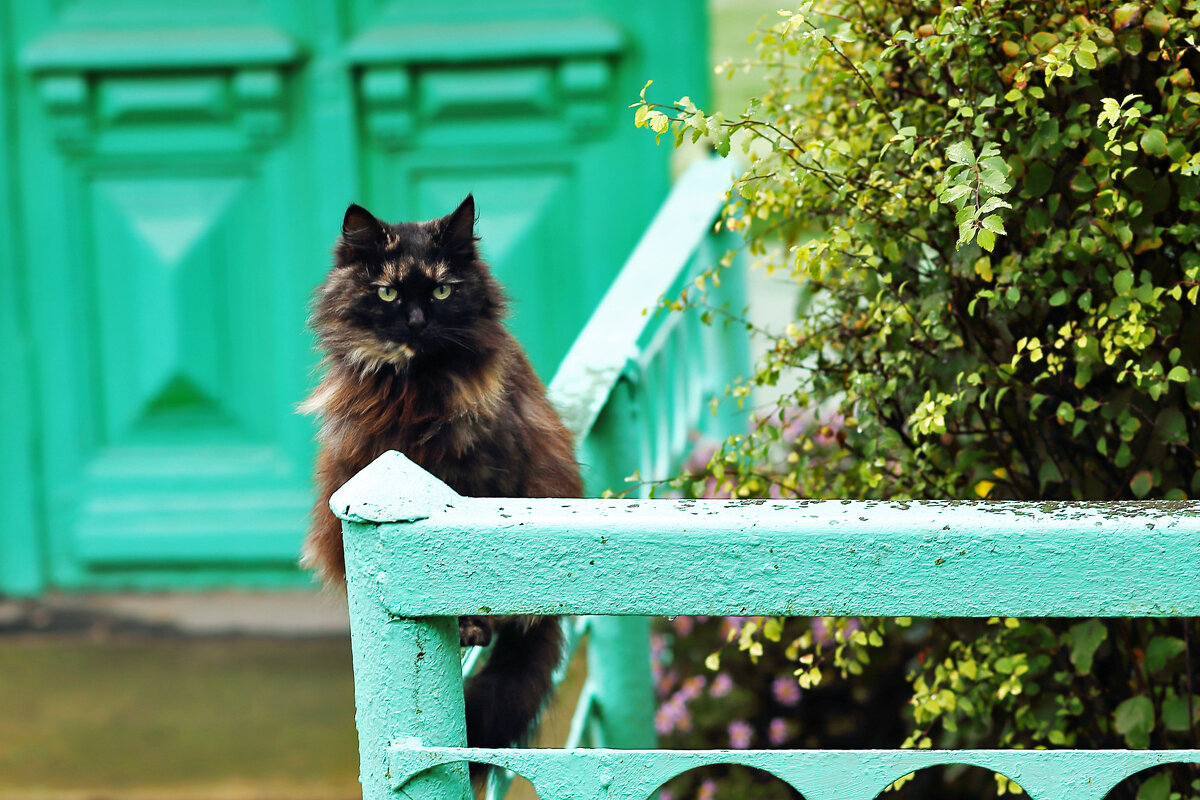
441 291
387 294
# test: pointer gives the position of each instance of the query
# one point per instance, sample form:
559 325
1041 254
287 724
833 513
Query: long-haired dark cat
418 360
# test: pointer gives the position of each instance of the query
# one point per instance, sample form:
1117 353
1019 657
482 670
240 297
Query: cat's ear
361 230
456 230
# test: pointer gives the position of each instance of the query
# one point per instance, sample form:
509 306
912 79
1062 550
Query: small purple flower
658 648
673 715
777 732
665 794
721 685
786 690
693 686
740 734
666 682
662 721
708 790
684 625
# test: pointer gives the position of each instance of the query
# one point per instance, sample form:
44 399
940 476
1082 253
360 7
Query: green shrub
991 210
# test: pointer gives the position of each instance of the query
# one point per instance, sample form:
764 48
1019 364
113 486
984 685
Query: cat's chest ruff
469 411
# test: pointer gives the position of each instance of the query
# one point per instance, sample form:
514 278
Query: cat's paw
474 631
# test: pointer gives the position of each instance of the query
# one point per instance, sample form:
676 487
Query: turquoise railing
419 555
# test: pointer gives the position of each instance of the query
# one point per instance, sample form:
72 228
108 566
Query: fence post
619 670
407 671
618 652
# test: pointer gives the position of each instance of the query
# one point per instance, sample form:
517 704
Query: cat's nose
416 319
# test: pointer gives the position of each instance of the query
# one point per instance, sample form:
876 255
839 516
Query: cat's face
406 293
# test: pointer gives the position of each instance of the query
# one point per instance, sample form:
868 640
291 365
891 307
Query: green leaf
1171 426
1059 298
1155 788
966 232
960 153
986 239
1142 483
1179 374
1084 639
1154 142
1175 713
1038 178
1161 650
993 223
995 181
1085 59
1049 473
1157 23
993 203
1134 719
1123 282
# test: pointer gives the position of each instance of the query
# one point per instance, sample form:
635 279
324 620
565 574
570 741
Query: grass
228 718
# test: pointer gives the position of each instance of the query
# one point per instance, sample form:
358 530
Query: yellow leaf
983 268
984 488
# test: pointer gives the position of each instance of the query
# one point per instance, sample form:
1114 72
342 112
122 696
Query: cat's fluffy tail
505 698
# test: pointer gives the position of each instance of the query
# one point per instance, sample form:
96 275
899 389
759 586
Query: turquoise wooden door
20 544
181 172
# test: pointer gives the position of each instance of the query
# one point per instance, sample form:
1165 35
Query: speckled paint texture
817 774
928 559
419 554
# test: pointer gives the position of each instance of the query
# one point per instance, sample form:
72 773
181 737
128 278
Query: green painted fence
173 177
417 558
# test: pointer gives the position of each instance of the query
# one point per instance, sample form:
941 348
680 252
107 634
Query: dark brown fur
443 382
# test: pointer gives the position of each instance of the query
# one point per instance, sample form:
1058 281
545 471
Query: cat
417 359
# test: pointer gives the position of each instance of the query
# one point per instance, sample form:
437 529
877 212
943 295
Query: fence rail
426 555
810 558
817 774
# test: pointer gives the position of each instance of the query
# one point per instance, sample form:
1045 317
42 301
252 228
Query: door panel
167 303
